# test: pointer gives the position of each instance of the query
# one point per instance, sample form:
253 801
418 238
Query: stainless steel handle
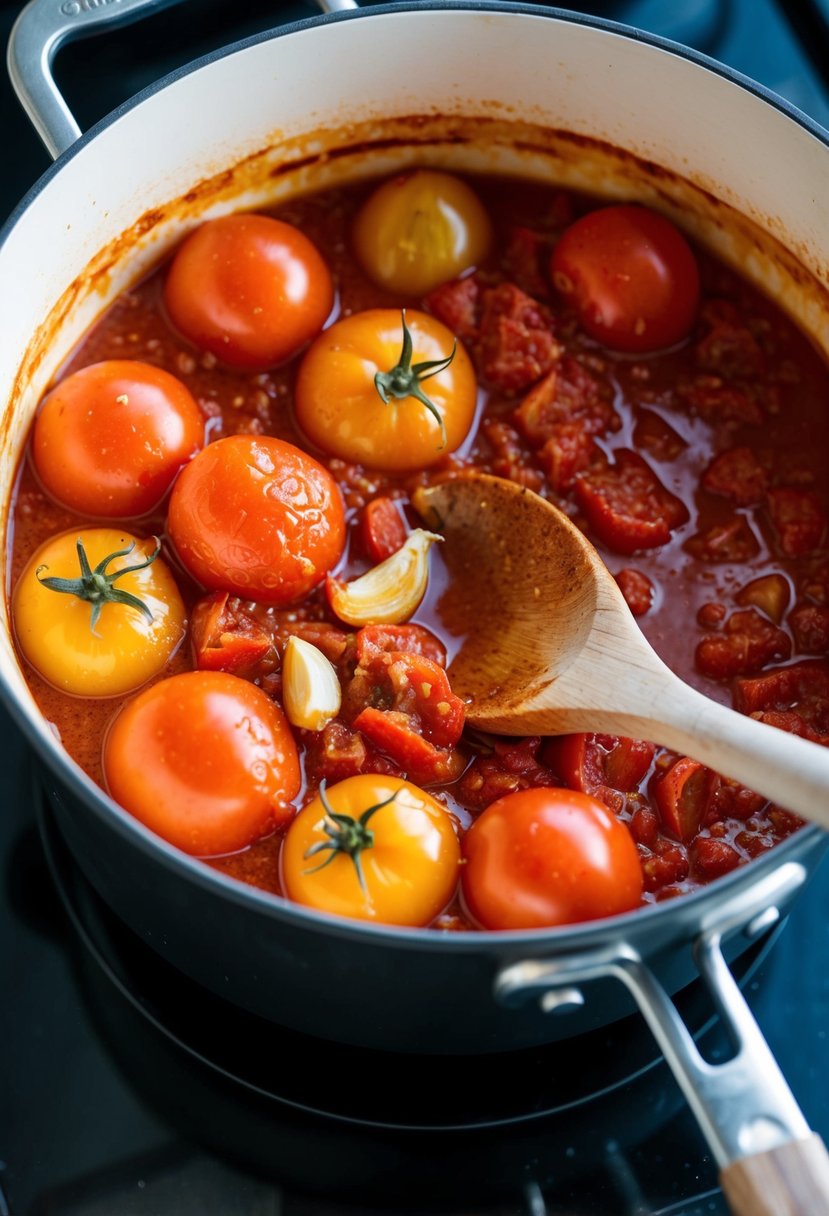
744 1105
44 26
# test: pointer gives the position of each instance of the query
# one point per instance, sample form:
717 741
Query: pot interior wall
529 95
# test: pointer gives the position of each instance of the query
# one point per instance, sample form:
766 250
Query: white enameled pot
522 91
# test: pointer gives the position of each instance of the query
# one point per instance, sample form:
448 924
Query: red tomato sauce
700 474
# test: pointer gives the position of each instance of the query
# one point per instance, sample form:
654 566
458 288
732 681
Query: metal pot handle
770 1162
44 26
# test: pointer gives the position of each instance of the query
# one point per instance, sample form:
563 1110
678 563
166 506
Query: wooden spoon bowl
551 647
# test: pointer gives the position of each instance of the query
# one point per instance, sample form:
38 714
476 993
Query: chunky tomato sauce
700 474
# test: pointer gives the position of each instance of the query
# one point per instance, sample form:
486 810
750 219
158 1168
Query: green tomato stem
404 379
97 587
345 835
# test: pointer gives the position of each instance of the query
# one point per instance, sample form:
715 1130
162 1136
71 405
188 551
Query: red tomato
224 638
110 438
382 528
205 760
255 516
631 277
543 857
683 795
250 289
590 762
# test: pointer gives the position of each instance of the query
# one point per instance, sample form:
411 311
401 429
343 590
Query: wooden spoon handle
791 1180
788 770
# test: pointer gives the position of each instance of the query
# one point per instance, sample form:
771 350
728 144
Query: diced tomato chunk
567 394
373 640
382 528
590 762
509 458
683 794
718 402
810 625
392 732
224 637
713 858
513 765
627 506
644 826
747 642
737 475
729 348
457 305
789 693
337 752
655 436
637 589
517 344
732 541
525 252
666 864
799 520
566 453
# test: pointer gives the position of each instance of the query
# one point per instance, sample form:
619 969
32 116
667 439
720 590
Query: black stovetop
98 1109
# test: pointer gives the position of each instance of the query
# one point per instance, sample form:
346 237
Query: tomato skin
109 439
204 759
411 870
631 277
54 630
544 857
419 229
250 289
257 517
339 409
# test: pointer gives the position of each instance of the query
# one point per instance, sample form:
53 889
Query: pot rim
572 938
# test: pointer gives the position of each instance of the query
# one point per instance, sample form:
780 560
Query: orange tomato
419 229
543 857
393 859
206 760
255 516
250 289
83 644
110 438
340 408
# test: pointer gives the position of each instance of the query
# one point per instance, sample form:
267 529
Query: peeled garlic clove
311 692
387 594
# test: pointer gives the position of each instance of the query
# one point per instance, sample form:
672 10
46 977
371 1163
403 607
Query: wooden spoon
550 647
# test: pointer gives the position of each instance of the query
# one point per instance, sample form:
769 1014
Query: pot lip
516 7
277 908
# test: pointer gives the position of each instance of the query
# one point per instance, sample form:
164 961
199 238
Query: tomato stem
97 587
346 835
404 379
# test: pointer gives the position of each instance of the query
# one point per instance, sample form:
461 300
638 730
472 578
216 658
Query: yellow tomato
385 424
419 229
391 855
91 641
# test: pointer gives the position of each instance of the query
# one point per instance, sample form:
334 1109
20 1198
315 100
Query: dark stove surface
103 1115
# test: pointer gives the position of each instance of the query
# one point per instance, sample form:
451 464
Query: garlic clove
389 593
311 692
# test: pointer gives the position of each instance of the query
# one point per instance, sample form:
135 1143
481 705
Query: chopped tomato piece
666 864
382 528
637 589
738 475
513 765
523 257
627 506
373 640
683 794
337 752
734 801
801 690
567 394
810 625
509 458
656 437
566 453
732 541
729 348
392 732
517 342
713 858
224 637
590 762
747 643
457 305
799 520
718 402
644 826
